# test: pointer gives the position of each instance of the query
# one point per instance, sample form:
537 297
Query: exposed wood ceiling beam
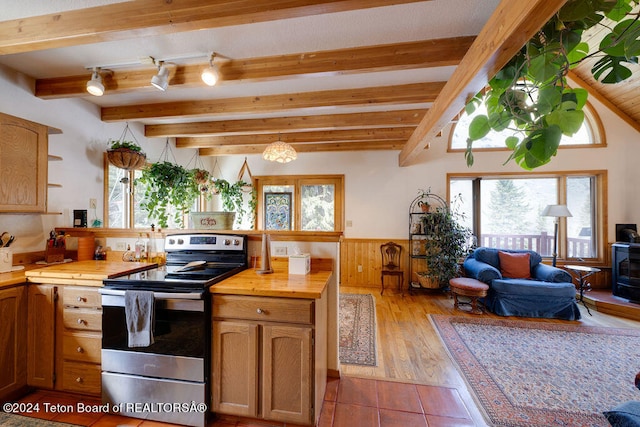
604 100
152 17
227 150
506 31
400 56
381 134
386 95
399 118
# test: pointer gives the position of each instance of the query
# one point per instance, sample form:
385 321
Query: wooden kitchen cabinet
23 165
41 335
79 340
13 341
265 363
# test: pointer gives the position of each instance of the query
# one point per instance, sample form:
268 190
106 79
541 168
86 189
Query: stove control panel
204 242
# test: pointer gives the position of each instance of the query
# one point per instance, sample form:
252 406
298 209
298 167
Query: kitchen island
269 345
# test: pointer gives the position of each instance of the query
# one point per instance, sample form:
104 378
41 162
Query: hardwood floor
414 385
410 351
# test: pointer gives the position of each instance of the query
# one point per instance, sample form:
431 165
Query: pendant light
211 74
95 86
161 80
279 151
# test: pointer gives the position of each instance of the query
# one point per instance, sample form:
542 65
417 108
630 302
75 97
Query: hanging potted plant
126 154
169 185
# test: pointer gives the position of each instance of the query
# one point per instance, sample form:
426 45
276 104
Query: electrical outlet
359 269
93 203
349 223
279 250
121 246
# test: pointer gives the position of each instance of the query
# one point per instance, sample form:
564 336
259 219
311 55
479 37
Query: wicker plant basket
125 158
427 282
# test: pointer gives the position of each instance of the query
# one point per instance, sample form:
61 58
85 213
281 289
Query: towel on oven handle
139 314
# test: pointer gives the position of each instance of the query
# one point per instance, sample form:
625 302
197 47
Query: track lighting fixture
95 86
211 74
161 80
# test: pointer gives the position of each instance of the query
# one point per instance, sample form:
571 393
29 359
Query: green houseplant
445 244
169 185
233 197
530 96
126 154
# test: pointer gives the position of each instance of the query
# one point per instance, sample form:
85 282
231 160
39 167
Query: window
589 134
300 203
505 211
123 196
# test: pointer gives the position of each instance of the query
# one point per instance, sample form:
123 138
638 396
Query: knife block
54 254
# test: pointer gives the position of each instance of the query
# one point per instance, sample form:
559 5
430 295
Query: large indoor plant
169 185
445 245
530 95
232 196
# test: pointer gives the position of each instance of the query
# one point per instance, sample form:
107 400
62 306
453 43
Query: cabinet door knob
79 379
259 311
80 350
81 322
80 299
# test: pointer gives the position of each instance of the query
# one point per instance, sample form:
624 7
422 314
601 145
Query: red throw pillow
514 265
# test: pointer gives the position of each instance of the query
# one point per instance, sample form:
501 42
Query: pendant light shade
280 152
211 74
95 86
161 80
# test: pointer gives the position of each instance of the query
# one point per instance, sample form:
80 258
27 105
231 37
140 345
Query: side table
582 272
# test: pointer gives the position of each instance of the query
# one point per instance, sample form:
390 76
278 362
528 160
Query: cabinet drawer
82 319
82 347
288 310
76 296
81 377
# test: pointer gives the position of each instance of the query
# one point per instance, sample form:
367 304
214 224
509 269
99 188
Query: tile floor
349 402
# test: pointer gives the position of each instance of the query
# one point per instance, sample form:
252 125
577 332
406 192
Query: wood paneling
13 340
361 263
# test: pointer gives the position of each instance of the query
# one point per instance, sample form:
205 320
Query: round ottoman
470 288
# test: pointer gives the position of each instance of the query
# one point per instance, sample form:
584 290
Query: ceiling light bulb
95 86
161 80
210 75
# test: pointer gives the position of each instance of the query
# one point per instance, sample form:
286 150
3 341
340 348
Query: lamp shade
279 151
556 211
210 75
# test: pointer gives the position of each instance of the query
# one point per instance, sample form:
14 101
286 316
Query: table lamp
556 211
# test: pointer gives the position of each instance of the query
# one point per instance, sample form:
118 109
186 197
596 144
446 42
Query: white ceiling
423 20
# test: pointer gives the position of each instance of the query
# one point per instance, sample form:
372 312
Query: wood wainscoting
365 253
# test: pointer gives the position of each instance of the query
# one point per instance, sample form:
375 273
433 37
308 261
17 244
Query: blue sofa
549 293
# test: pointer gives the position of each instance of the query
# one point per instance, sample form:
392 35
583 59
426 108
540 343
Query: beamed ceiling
323 75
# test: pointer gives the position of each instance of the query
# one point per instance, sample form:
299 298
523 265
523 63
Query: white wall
378 191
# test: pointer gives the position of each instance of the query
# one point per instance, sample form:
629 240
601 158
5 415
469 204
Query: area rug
357 329
535 374
12 420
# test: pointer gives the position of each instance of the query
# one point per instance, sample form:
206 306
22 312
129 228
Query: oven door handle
156 295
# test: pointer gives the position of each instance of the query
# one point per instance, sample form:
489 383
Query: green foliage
233 198
168 185
530 96
446 242
113 144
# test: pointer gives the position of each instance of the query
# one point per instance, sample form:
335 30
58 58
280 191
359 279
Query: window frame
591 119
599 208
297 181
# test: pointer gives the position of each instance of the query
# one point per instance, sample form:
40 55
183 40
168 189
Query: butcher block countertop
277 284
88 272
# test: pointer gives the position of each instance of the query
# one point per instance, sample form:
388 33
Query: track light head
211 74
161 80
95 86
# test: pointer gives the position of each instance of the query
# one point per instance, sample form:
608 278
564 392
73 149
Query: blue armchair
548 292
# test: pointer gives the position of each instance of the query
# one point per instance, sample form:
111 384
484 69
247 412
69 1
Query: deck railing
541 243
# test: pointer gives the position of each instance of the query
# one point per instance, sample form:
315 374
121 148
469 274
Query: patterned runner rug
357 329
534 374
